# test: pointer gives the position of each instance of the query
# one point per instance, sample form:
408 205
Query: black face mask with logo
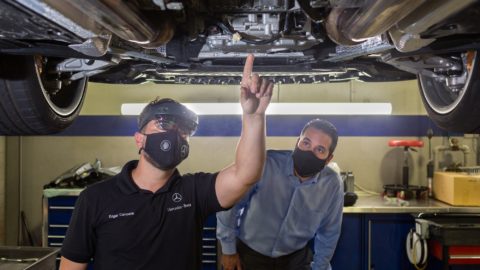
306 163
166 149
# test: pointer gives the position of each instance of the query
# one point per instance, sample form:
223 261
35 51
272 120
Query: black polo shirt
122 226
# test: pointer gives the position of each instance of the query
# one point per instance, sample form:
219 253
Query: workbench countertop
364 204
378 204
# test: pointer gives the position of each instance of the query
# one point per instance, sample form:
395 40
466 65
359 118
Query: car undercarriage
60 45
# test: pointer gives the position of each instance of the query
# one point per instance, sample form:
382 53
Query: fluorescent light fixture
278 108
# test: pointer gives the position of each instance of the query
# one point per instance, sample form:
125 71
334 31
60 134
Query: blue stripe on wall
277 125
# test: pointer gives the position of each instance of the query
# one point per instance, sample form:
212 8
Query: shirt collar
289 169
128 186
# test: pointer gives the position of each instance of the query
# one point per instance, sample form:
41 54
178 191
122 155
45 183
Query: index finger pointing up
247 69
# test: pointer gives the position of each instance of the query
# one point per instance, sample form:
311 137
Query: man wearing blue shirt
296 199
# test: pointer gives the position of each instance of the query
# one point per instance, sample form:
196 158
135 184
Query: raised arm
233 181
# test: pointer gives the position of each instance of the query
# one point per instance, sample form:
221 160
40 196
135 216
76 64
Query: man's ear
139 139
329 158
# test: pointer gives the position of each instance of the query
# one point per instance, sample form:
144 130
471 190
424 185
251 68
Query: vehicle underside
64 44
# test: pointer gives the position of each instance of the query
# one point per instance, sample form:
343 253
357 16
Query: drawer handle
57 226
56 236
461 256
209 239
61 207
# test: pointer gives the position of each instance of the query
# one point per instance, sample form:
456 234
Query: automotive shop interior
257 135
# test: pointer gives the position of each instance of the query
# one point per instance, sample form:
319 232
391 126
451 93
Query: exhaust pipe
119 17
348 25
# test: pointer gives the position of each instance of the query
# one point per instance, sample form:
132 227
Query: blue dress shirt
280 214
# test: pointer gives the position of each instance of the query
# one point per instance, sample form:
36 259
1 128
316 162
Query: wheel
453 102
34 99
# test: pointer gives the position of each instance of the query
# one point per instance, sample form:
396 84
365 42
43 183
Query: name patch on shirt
115 216
179 207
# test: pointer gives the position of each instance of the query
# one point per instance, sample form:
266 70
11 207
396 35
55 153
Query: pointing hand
256 92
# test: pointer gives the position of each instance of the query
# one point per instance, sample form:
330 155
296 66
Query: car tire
28 106
460 111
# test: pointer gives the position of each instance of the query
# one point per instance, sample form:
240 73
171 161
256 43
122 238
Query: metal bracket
83 67
95 47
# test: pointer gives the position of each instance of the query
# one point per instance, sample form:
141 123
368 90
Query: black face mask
166 149
306 163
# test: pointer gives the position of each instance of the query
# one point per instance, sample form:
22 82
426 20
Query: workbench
377 204
374 232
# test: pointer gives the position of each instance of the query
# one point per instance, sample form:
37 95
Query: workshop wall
101 133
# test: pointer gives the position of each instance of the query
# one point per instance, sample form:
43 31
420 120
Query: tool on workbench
430 164
449 164
405 190
350 197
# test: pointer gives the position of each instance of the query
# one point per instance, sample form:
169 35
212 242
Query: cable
366 190
418 266
247 38
224 28
413 239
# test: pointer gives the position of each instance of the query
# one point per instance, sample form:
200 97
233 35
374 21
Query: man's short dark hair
325 126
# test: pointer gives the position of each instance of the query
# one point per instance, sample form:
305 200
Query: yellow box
458 189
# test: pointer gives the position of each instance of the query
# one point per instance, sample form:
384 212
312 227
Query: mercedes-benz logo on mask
176 197
165 145
184 151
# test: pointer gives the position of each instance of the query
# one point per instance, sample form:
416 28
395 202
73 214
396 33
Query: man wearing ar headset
150 216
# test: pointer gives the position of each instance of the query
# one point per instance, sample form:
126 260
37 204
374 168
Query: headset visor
172 122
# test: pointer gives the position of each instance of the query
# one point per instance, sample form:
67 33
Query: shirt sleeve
228 223
205 194
327 234
78 245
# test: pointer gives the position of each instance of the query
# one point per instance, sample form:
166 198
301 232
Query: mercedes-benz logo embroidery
184 151
165 145
176 197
